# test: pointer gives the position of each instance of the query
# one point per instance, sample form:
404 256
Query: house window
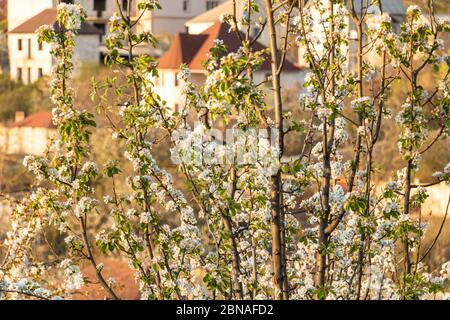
40 72
268 79
19 74
186 5
124 4
40 46
29 75
19 44
29 48
210 4
68 1
102 28
99 6
176 80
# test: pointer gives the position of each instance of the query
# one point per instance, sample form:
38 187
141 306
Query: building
394 8
167 21
192 49
27 135
202 22
100 11
174 14
206 20
30 60
20 11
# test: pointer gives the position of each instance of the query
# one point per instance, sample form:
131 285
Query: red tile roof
48 17
41 119
193 49
182 50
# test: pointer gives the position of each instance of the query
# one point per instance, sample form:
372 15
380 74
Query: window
268 79
40 46
40 72
102 28
29 75
176 80
99 6
19 44
19 74
186 5
210 4
124 4
29 48
68 1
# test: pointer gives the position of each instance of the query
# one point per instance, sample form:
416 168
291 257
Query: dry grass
440 253
126 290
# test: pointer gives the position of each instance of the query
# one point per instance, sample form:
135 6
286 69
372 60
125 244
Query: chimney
19 116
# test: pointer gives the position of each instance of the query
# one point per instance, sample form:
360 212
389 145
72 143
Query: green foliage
19 97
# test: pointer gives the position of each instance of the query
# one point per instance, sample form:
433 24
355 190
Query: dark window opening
186 5
19 44
19 74
211 4
29 48
268 79
99 6
102 28
68 1
40 46
124 4
29 75
176 80
40 72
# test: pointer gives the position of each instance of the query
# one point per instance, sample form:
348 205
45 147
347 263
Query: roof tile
192 49
41 119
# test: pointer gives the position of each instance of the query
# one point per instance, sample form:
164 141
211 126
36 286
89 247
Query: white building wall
21 10
98 18
87 49
198 27
88 5
25 140
167 89
30 58
165 86
264 38
288 79
172 17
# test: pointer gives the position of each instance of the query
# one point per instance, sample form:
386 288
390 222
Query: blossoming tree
318 226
